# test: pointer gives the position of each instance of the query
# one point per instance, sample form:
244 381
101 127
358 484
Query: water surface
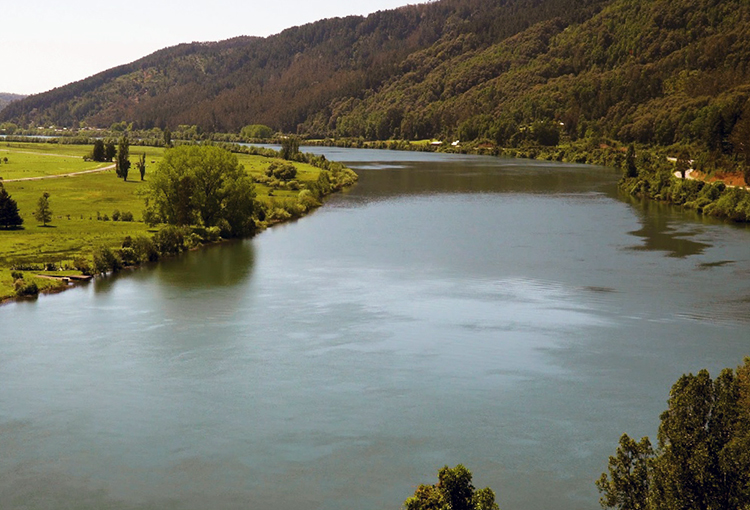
514 316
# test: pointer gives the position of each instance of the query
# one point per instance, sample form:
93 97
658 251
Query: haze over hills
6 98
648 71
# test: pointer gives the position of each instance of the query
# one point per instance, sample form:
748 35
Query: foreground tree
703 457
9 216
454 491
202 185
43 213
123 158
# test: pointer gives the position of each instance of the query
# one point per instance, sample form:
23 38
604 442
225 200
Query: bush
116 215
170 239
106 260
81 264
126 216
145 249
281 170
16 275
25 289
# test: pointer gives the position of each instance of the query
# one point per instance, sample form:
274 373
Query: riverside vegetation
99 222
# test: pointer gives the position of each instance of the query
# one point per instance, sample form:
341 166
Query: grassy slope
77 201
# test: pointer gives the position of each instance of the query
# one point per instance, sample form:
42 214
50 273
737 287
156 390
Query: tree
289 147
454 491
167 138
703 457
98 154
203 185
9 216
628 483
109 150
630 168
141 165
123 158
43 212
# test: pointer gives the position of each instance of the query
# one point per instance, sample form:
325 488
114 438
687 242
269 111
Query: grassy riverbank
85 206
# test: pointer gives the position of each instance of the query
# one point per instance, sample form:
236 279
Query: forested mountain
651 71
7 98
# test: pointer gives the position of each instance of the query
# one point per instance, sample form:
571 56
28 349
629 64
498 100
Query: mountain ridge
508 71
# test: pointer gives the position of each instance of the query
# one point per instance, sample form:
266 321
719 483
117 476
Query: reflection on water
210 267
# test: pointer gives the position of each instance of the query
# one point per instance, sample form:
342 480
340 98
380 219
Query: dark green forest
508 72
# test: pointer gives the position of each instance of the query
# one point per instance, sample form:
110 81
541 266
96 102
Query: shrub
25 289
145 249
16 275
116 215
170 239
106 260
126 216
81 264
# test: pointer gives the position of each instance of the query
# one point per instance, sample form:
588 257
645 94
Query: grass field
80 203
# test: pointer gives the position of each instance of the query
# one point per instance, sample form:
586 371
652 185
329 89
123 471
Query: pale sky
49 43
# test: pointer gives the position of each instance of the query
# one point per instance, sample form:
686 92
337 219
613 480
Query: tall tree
9 216
43 212
98 153
109 150
123 158
141 165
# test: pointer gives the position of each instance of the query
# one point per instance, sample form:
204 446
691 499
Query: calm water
513 316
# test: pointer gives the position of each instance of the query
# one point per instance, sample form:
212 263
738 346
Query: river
514 316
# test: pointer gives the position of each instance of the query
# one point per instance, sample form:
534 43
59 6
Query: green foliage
109 150
123 158
9 216
281 170
106 260
141 165
43 213
703 456
98 153
256 132
202 185
289 147
454 491
25 288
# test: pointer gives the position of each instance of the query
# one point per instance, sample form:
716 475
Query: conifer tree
9 216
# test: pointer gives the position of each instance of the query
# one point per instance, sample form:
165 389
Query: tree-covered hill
282 80
7 98
509 71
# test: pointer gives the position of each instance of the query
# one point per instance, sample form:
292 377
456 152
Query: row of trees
702 458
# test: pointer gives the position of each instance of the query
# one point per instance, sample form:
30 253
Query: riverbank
98 211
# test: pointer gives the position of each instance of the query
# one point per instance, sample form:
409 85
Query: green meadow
83 206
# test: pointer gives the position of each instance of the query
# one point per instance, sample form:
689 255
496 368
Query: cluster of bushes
116 216
282 209
656 181
169 240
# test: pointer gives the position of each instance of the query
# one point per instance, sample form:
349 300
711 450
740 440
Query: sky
49 43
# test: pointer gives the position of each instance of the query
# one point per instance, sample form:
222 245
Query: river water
514 316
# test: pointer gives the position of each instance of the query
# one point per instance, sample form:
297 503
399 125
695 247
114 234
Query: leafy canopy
202 185
454 491
703 457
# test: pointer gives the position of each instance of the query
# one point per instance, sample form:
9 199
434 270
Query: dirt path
39 178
